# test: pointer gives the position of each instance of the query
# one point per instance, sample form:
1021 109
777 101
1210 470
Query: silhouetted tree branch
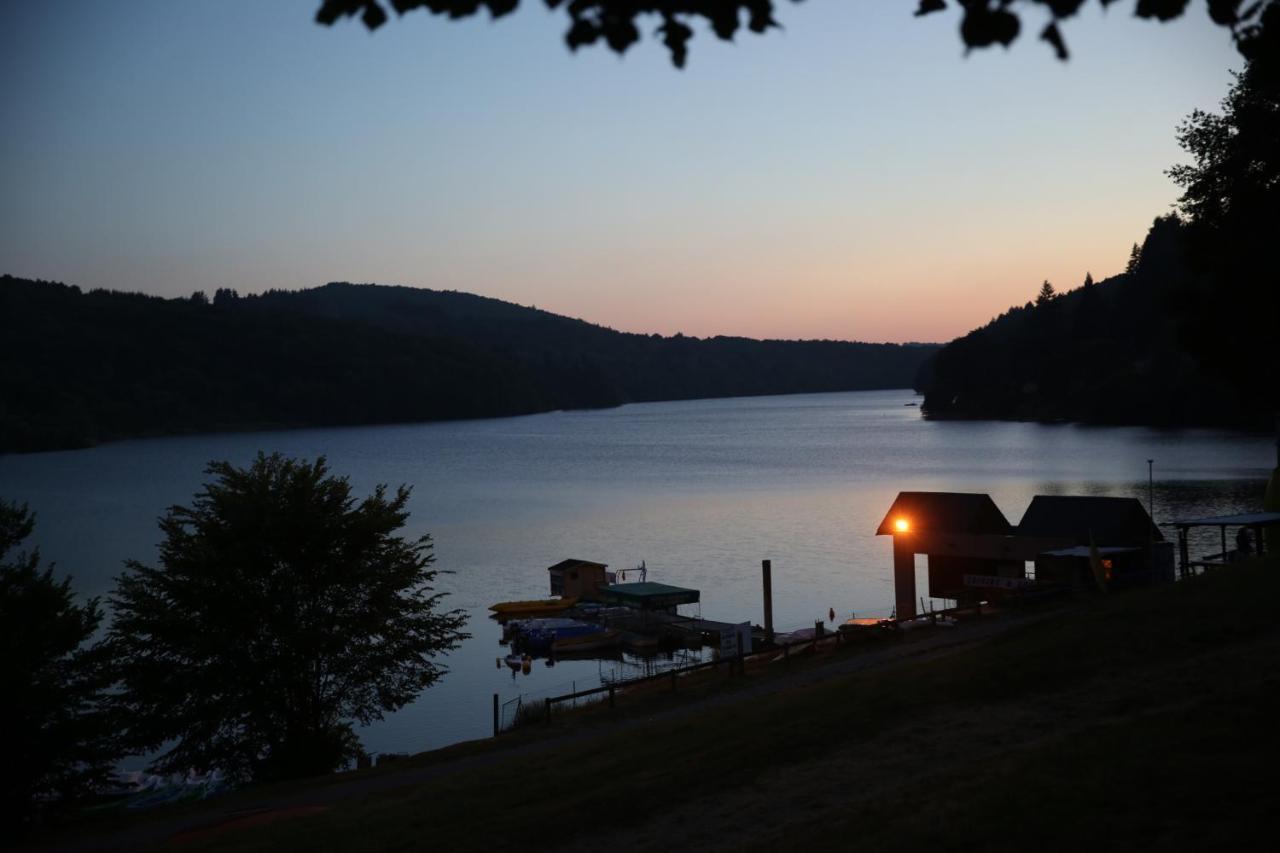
983 22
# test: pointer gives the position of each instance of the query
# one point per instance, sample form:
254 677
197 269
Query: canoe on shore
537 607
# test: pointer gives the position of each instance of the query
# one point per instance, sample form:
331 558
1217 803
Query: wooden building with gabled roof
945 512
1116 521
975 554
578 579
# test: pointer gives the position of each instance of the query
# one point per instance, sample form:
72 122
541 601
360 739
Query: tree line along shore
78 368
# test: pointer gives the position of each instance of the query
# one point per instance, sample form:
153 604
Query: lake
701 491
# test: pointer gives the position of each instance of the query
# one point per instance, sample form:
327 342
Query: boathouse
974 554
1117 531
578 579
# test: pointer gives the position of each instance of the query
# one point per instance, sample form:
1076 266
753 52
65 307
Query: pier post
766 570
904 577
495 715
1183 556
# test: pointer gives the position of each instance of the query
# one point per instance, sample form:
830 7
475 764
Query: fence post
610 695
547 705
495 715
786 655
673 680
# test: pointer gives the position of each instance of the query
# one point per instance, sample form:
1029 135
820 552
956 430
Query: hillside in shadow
79 368
1136 348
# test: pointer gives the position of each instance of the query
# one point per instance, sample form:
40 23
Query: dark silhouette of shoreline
1136 348
81 368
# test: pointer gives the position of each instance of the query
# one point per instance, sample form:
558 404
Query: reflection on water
702 491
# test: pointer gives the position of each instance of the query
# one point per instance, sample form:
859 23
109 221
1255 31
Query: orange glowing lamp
901 525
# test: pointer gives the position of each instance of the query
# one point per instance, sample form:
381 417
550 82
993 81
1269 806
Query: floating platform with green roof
647 595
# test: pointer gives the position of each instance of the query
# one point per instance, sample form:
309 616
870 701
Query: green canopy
648 596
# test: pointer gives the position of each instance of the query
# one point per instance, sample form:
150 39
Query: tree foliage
1046 293
617 23
1231 197
1233 181
54 678
282 611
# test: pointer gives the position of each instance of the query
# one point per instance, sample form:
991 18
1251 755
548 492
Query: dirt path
310 800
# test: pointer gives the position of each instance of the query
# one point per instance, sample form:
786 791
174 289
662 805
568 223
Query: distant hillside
79 368
1132 349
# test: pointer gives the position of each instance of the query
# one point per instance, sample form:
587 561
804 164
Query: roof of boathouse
1114 521
565 565
945 512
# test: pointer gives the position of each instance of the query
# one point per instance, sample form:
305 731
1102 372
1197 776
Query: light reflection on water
701 490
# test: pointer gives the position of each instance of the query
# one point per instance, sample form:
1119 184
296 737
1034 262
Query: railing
516 712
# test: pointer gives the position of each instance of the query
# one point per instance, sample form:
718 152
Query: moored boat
541 636
606 639
536 607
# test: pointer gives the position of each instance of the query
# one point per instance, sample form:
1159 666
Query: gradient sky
854 176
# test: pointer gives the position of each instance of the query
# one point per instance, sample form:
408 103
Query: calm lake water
702 491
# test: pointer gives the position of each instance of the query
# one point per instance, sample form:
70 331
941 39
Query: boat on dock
540 636
605 639
535 607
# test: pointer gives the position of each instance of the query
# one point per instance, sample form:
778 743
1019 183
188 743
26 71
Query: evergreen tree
225 296
1046 294
1135 258
281 612
58 733
1088 280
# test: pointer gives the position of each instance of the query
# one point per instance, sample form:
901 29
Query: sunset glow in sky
852 176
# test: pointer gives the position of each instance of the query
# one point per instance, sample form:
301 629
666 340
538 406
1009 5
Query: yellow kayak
537 607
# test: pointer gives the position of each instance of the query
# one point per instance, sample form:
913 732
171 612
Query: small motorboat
606 639
866 628
541 639
536 607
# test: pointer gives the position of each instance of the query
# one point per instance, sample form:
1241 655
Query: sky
853 176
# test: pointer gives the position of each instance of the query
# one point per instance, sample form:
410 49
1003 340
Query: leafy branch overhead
983 23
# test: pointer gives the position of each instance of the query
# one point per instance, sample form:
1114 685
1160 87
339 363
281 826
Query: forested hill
1143 347
79 368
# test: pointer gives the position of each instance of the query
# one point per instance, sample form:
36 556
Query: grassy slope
1144 720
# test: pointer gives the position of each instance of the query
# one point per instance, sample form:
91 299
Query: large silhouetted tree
282 610
1231 198
983 23
58 742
